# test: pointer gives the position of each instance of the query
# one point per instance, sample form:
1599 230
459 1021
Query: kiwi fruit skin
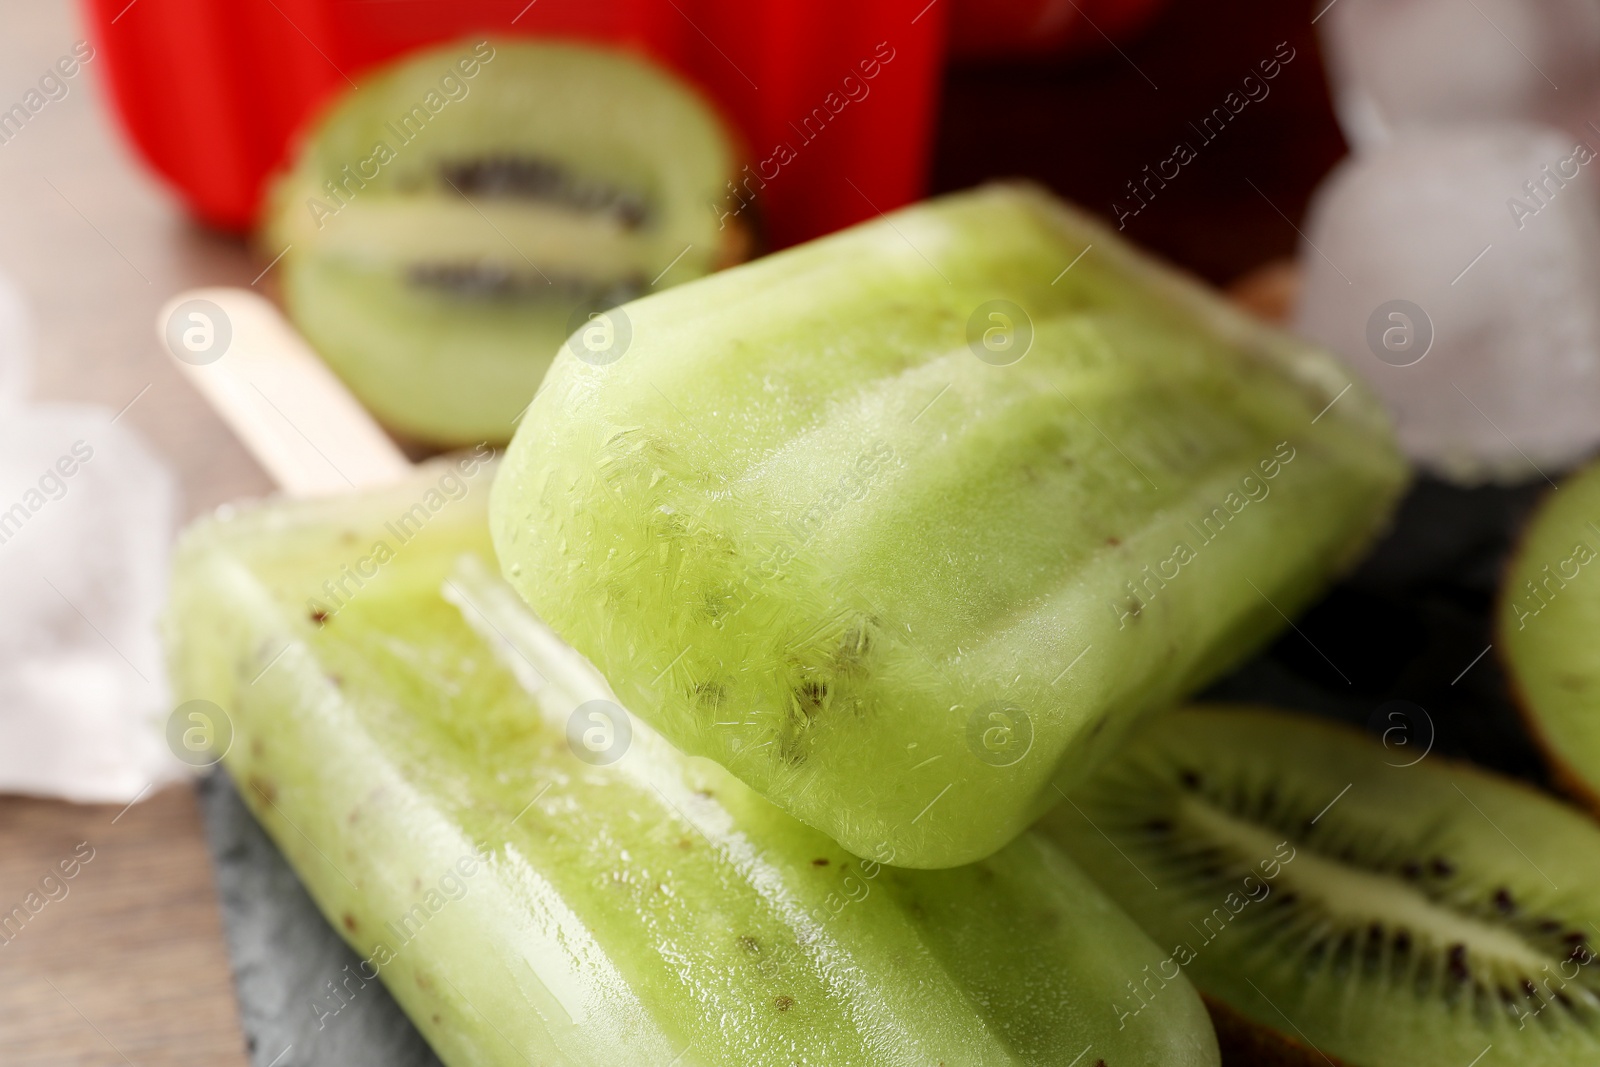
438 261
1244 1042
1547 619
1415 901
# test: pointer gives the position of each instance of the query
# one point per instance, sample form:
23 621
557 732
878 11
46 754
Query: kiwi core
1357 898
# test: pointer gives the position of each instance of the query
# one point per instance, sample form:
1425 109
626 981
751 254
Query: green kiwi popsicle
907 526
539 879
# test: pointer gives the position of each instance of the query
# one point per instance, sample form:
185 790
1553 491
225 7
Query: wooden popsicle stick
278 397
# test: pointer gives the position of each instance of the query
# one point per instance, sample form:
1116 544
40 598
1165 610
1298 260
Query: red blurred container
1009 29
213 92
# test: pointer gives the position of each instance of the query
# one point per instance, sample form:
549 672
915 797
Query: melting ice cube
1403 63
1458 269
87 513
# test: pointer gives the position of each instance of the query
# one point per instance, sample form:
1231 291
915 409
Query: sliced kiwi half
455 219
1549 618
1340 901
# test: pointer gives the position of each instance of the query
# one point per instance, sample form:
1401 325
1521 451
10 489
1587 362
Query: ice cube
1458 270
16 346
1398 63
87 513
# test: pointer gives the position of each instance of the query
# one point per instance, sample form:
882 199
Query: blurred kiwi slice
455 219
1338 900
1549 617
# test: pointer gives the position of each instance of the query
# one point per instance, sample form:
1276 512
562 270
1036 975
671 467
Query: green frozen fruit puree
906 526
539 879
447 226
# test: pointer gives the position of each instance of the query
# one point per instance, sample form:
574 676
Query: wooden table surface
129 966
124 963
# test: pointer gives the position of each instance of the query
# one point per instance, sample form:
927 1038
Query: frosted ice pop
906 527
538 883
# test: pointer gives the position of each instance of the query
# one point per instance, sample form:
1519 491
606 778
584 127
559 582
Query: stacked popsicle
905 530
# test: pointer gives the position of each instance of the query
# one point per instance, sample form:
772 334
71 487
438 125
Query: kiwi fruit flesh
1548 617
1336 900
448 225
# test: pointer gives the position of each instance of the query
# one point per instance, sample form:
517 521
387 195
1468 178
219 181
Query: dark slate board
1407 631
1404 632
